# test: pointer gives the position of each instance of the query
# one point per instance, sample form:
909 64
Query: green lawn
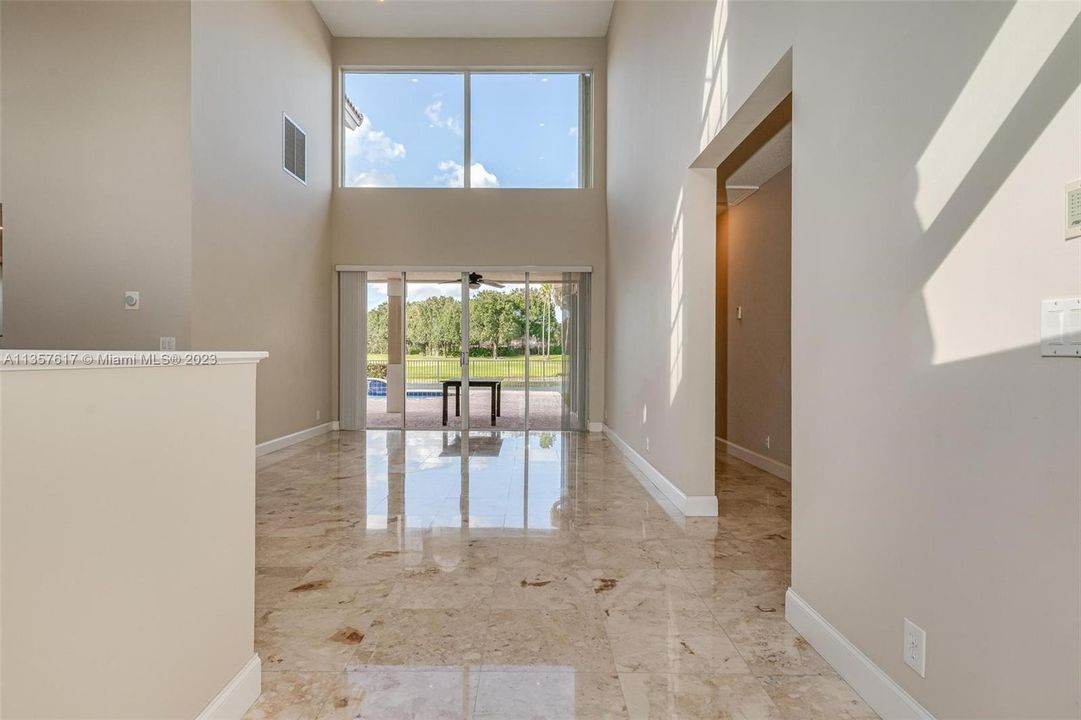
432 368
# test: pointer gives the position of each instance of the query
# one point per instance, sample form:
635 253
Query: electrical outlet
767 442
915 647
739 312
166 344
318 414
647 444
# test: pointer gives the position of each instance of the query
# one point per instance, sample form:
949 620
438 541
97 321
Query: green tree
447 322
493 320
434 326
377 328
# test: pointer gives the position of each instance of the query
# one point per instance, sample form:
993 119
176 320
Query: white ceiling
466 18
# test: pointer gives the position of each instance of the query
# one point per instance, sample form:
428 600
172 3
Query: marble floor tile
435 588
521 639
400 638
397 579
662 640
273 582
293 695
773 647
380 693
816 697
549 694
670 695
728 592
543 586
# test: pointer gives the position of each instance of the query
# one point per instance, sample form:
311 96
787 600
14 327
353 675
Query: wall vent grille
294 150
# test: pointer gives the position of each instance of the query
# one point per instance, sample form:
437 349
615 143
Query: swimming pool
378 388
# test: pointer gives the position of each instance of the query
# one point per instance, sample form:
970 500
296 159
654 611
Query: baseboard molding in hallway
238 695
761 462
689 505
293 438
878 689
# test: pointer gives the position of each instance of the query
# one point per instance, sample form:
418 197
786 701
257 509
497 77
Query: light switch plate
1073 210
166 344
1060 327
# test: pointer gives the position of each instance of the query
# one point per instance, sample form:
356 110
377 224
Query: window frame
586 146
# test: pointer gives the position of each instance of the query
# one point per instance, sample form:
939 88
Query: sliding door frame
361 272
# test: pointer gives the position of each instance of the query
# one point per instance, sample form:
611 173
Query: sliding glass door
433 350
512 356
559 337
497 350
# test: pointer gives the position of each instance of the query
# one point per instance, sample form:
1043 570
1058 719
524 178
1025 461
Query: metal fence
432 371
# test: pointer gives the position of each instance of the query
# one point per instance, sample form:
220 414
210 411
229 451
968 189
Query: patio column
395 333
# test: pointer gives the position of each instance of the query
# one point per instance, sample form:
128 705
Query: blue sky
525 130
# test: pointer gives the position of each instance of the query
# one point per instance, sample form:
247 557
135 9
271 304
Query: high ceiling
466 18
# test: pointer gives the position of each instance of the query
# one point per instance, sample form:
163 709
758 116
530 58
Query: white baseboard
689 505
759 461
293 438
596 427
878 689
238 694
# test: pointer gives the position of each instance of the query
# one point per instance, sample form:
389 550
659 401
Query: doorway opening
454 349
753 453
754 300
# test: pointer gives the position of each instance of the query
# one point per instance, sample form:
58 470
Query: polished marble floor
430 575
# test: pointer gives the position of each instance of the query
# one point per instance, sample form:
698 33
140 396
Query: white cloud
371 144
434 113
373 178
480 177
572 131
452 174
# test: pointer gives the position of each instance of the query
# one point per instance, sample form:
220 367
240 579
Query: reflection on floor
429 575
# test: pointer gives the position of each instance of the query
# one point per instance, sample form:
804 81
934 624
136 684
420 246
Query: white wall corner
239 694
878 689
285 441
689 505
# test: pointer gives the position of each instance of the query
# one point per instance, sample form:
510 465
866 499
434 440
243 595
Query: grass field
424 368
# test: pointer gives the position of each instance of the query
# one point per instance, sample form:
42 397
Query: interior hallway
399 576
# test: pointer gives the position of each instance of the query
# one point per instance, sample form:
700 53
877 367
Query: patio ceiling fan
475 281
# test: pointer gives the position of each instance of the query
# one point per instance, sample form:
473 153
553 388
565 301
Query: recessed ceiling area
766 151
770 159
466 18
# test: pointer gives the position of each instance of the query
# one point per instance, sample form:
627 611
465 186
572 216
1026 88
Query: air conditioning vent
294 151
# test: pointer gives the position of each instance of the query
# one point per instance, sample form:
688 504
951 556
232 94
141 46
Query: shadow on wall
1039 91
931 174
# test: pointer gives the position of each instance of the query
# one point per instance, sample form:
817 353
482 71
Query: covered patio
425 412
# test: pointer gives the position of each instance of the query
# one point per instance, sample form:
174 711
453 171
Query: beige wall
759 349
145 154
128 539
261 246
96 173
401 226
934 451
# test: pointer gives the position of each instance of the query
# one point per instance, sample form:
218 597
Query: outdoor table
496 384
